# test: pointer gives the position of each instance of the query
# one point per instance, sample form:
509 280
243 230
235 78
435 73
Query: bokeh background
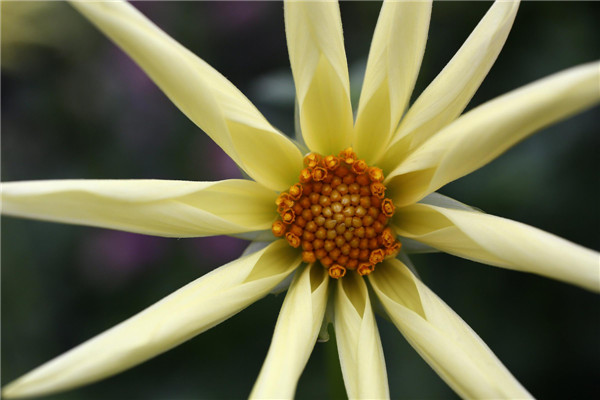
74 106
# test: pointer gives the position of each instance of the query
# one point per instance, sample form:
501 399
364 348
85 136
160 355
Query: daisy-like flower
340 206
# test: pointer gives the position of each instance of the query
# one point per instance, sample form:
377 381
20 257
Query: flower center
338 213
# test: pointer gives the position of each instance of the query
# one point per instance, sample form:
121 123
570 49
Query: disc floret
338 214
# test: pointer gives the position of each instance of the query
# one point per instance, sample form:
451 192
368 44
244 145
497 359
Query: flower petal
152 207
394 61
441 337
358 342
200 92
318 60
295 334
191 310
485 132
500 242
450 92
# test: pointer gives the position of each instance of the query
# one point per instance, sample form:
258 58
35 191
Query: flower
418 153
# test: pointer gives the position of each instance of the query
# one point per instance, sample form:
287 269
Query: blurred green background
74 106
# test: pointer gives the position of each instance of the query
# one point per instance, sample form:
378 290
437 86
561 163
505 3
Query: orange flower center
338 214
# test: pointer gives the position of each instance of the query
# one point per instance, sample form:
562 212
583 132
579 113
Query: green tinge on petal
318 61
450 92
392 68
191 310
200 92
152 207
295 334
358 342
500 242
484 133
441 337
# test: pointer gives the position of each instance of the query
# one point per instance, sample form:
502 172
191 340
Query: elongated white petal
500 242
153 207
178 317
203 94
485 132
441 337
358 342
450 92
295 334
318 60
394 61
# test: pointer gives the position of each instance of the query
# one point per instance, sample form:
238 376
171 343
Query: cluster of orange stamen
338 214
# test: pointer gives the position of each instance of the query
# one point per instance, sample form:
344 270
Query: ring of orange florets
338 214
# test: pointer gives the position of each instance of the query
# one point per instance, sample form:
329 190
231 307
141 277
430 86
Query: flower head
339 214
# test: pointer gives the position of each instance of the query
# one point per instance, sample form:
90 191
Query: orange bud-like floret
387 237
377 256
387 207
292 239
359 166
309 256
331 162
295 191
348 156
393 249
288 216
365 269
336 271
305 175
278 228
378 189
312 160
376 174
318 174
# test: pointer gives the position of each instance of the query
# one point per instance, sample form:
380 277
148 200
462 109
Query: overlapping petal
203 94
153 207
318 60
295 334
392 68
450 92
191 310
500 242
358 342
482 134
441 337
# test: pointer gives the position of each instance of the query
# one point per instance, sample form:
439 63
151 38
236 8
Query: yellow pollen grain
337 214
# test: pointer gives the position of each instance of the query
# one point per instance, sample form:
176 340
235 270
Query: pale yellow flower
419 150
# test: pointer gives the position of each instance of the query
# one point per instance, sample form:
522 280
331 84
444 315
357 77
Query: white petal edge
295 334
152 207
201 93
189 311
449 93
358 341
318 60
484 133
441 337
500 242
392 68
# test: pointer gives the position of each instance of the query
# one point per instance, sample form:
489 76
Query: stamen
338 214
337 271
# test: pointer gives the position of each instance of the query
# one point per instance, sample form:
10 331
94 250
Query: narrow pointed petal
500 242
201 93
295 334
450 92
358 342
441 337
392 68
484 133
175 319
318 59
152 207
